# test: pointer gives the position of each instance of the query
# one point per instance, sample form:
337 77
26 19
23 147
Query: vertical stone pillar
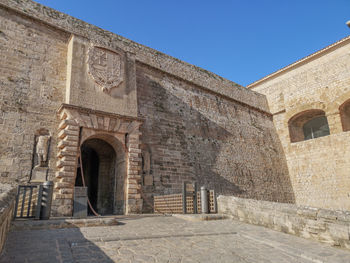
68 138
134 200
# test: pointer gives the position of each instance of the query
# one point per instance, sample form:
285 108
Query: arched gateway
104 169
109 147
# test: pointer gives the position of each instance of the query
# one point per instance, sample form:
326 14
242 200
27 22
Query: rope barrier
83 180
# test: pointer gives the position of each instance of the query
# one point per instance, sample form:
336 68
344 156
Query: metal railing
27 201
34 201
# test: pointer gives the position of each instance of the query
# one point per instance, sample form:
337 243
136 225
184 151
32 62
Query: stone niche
100 79
40 159
81 127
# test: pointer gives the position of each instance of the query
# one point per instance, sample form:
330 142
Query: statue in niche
42 146
146 166
40 161
146 162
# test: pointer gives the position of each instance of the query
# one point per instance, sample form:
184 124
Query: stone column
68 138
134 199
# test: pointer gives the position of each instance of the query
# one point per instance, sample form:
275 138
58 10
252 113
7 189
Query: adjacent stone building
310 104
137 122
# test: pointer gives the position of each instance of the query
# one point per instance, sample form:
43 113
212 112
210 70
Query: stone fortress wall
316 85
177 122
192 134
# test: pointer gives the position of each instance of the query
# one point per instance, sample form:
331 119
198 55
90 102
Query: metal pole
30 200
23 199
184 204
195 211
46 200
204 200
38 205
215 202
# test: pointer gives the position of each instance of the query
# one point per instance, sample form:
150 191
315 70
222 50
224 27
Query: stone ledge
202 217
327 226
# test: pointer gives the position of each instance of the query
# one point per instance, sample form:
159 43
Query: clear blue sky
241 40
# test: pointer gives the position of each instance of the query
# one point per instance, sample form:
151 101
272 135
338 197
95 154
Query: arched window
308 125
344 110
316 127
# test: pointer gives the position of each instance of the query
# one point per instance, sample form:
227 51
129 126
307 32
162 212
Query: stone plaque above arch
100 78
74 119
106 68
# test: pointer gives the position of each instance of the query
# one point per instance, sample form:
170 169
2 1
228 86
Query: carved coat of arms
106 68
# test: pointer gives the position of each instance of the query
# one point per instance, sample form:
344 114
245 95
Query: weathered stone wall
323 225
192 134
196 125
319 168
142 53
7 203
32 79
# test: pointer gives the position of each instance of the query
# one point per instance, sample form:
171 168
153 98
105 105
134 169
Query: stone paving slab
202 217
62 223
166 239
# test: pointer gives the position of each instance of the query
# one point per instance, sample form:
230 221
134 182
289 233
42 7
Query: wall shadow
198 136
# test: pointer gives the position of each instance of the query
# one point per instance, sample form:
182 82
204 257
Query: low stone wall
326 226
7 204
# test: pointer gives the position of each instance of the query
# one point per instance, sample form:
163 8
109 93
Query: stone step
55 223
202 217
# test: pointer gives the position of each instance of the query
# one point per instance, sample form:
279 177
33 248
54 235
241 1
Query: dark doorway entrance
99 161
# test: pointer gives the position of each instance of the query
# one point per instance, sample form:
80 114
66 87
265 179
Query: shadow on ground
51 246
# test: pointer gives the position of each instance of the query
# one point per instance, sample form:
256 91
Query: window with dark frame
316 127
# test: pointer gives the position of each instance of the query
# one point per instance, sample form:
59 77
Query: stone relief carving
106 68
42 146
146 162
146 166
40 164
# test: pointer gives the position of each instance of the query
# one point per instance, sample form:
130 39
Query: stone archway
114 159
121 132
99 169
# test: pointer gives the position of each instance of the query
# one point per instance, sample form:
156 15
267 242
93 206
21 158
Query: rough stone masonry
142 121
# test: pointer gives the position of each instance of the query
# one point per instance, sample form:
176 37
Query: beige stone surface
318 168
164 239
83 90
32 76
198 136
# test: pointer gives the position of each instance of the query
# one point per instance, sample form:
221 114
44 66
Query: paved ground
166 239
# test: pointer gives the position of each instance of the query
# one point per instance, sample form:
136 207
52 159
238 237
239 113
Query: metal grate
28 196
168 204
172 204
189 204
212 202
